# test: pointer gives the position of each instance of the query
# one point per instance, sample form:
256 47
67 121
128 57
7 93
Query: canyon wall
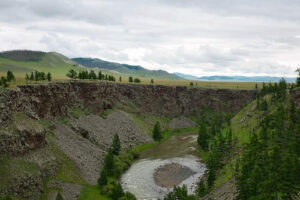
54 99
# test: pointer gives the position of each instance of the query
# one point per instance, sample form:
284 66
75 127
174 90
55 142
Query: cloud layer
199 37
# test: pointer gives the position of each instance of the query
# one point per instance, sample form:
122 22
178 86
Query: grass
12 168
92 193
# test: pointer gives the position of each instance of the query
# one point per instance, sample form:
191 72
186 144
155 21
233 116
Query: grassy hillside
22 62
52 62
125 69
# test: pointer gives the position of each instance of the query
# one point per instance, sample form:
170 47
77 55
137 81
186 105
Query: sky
198 37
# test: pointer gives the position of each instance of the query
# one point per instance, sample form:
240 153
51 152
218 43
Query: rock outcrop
54 99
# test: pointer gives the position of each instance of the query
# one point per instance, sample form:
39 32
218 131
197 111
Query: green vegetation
58 196
4 81
257 147
156 133
180 193
298 78
268 167
91 75
116 145
38 76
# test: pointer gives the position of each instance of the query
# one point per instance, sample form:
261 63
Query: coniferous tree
201 190
203 136
211 177
49 77
27 77
109 163
157 134
152 81
72 74
58 196
100 75
4 82
116 146
10 76
120 79
31 76
36 76
298 78
43 76
179 193
130 79
103 178
117 191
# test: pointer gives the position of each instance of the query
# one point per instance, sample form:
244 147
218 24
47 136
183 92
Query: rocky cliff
54 99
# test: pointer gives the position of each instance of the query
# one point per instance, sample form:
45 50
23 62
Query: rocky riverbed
160 168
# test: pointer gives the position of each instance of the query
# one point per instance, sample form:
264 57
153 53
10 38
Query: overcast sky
199 37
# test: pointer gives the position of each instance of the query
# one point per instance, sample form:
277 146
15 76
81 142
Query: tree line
38 76
92 75
5 80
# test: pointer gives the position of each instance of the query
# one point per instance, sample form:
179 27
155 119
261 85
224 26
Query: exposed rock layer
54 99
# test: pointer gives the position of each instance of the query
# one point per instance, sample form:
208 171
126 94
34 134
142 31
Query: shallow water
179 149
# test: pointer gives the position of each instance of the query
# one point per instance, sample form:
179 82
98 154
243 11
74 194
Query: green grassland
59 65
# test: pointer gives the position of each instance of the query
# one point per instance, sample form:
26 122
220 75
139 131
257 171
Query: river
172 162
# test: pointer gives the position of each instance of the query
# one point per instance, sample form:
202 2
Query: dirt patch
181 122
172 174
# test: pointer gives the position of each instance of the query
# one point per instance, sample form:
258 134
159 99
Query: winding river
172 162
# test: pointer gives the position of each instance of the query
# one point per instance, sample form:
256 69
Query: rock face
54 99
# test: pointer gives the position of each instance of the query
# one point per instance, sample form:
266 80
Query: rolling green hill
125 68
22 61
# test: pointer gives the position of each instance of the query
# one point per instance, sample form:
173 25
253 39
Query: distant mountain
25 61
186 76
235 78
124 68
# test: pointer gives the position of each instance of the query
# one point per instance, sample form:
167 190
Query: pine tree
4 82
49 77
201 190
100 75
120 79
130 79
72 74
211 177
27 77
203 136
152 81
179 193
58 196
36 76
298 78
103 178
109 163
117 191
31 76
10 76
43 76
116 146
157 135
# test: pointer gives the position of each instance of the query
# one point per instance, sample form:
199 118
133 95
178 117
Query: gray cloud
197 36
